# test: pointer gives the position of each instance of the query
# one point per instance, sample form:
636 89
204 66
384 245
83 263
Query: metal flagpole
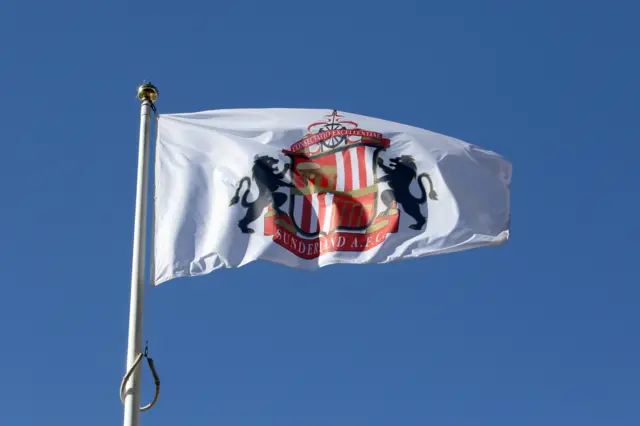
147 93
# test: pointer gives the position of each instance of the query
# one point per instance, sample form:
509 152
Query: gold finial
148 91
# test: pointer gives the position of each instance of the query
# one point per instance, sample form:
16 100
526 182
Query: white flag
308 188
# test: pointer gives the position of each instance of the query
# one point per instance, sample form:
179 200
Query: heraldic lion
399 175
268 180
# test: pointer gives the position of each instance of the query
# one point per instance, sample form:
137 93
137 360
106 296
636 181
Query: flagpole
147 93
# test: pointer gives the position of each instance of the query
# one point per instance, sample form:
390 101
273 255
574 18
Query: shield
335 188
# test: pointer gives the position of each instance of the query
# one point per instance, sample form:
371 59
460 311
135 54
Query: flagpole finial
148 91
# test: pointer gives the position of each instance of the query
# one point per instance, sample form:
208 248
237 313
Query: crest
334 203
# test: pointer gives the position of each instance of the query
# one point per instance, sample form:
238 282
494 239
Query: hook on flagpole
156 378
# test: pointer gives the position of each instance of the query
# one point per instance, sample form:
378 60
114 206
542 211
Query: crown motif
333 122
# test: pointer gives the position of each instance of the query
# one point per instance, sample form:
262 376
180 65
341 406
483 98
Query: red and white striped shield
335 189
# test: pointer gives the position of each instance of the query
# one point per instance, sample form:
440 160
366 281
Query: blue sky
541 331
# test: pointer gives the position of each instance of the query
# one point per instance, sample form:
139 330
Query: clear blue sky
540 332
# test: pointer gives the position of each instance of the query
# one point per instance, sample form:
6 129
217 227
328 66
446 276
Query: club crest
333 203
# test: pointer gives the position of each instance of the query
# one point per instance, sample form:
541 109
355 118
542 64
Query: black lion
399 175
268 180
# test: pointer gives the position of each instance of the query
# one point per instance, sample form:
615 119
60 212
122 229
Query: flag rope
126 377
155 111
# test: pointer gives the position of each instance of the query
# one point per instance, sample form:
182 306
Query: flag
307 188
